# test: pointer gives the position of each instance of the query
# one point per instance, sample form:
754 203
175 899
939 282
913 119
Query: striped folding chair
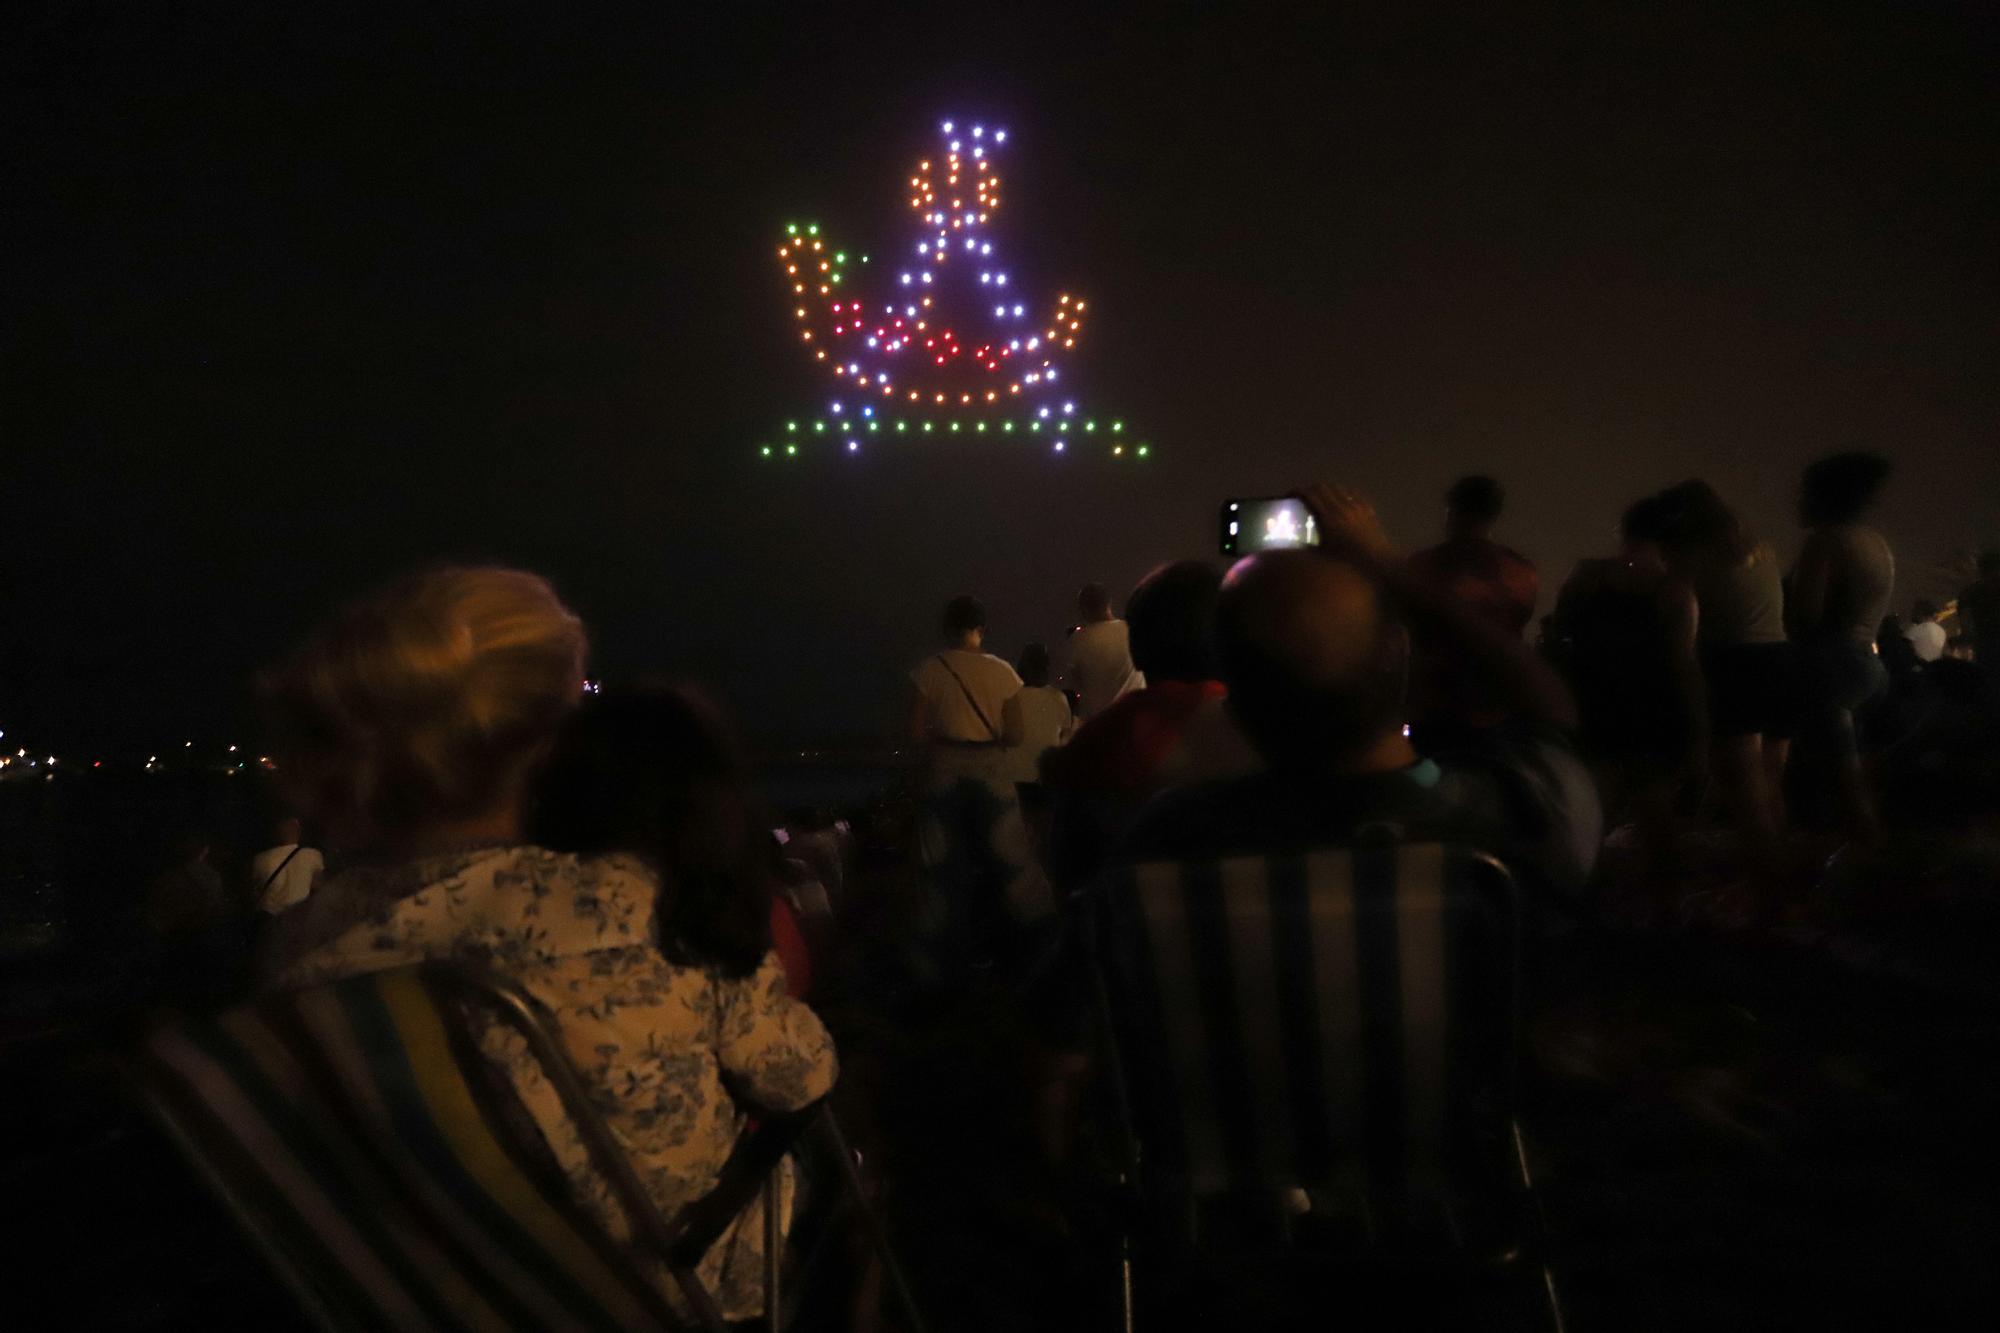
1318 1050
387 1172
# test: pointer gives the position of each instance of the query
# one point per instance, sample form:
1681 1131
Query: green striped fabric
370 1152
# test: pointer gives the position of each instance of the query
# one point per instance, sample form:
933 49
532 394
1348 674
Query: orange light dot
1069 342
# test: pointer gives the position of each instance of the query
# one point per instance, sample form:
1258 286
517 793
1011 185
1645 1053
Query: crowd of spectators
610 853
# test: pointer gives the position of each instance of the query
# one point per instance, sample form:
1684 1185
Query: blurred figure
199 930
1927 637
1100 654
1037 718
1492 581
1840 590
1746 659
1624 632
1979 612
652 770
189 897
409 727
283 874
973 844
1174 729
1314 647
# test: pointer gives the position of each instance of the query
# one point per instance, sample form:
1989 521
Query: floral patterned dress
652 1041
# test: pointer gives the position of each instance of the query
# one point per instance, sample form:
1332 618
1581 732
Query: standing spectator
1841 587
1037 719
1927 637
1745 658
972 841
1100 654
1492 581
283 875
1979 613
1624 632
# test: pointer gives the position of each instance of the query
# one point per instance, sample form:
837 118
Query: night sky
293 303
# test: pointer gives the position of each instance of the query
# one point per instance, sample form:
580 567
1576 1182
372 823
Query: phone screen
1267 525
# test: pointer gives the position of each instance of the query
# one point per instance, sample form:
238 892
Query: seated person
1315 651
1175 729
408 729
1037 718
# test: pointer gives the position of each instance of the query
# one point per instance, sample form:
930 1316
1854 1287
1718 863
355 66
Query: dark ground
1734 1129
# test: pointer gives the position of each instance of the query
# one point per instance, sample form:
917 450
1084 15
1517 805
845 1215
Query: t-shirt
1743 603
293 883
1100 665
1497 584
1927 640
1035 720
1861 576
1519 792
970 713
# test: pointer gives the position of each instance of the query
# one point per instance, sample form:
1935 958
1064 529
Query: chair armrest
698 1226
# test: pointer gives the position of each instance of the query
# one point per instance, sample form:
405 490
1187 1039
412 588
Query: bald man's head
1314 657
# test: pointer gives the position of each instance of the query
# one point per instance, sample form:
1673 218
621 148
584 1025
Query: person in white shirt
1927 637
282 876
1037 719
1100 654
972 842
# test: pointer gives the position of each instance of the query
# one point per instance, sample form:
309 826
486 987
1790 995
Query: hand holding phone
1269 524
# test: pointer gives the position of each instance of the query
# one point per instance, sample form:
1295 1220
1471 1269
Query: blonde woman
409 728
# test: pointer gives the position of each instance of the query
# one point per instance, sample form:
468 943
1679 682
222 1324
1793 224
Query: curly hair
425 703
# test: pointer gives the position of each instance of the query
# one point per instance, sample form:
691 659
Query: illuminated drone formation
950 345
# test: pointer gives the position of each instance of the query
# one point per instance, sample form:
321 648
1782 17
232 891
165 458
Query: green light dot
1090 425
791 228
791 449
840 257
954 425
813 230
1034 425
767 451
836 279
1006 425
927 425
819 425
874 425
980 426
1118 426
902 425
1144 449
864 259
791 425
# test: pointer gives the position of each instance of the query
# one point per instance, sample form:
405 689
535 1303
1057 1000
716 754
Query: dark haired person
972 841
410 728
1314 646
1100 654
1840 590
1492 581
1624 632
1746 658
1174 729
1037 718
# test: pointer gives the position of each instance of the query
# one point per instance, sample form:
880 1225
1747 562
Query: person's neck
496 828
965 645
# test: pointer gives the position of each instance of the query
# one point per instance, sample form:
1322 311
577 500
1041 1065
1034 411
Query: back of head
1473 504
286 829
1033 667
425 704
1645 522
1093 602
1840 488
962 615
1171 619
1925 609
1697 525
1314 658
653 770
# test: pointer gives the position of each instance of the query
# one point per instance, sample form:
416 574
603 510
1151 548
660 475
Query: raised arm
1351 530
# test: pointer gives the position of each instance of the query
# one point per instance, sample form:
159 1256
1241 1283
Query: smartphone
1267 525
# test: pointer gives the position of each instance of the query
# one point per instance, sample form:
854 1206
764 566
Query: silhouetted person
1314 648
1100 654
198 927
1173 729
1747 661
1840 590
1037 718
1493 581
1623 631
